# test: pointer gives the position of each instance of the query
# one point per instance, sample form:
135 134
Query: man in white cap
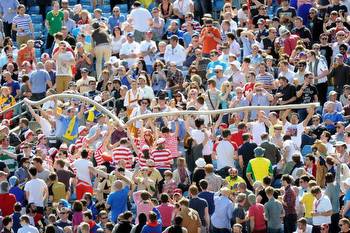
221 218
162 157
219 76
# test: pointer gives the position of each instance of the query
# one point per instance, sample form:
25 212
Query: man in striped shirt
171 142
162 157
123 152
22 23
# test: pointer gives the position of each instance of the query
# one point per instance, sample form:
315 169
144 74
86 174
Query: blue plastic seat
37 53
72 2
106 2
106 8
106 15
88 8
37 27
37 19
85 2
123 8
48 8
34 10
37 35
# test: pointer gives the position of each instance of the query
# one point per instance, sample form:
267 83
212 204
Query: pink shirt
166 211
141 206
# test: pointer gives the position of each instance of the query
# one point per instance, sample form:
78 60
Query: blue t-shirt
209 197
334 117
14 86
118 202
346 199
38 80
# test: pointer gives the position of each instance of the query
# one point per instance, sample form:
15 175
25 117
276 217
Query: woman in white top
117 40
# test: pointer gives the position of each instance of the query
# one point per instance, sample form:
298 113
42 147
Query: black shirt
2 166
337 8
341 75
246 150
288 92
290 12
308 94
327 52
269 44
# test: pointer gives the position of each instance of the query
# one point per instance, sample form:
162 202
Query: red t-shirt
257 211
7 201
166 211
237 137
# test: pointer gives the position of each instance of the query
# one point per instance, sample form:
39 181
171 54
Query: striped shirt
162 158
171 144
142 161
98 155
124 153
23 24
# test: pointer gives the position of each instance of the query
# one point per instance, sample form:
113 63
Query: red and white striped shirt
123 152
162 158
171 144
142 161
98 155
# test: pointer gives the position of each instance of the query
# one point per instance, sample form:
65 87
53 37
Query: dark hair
50 229
311 157
25 78
17 206
87 214
33 171
267 180
84 154
199 122
286 137
6 220
329 178
287 178
178 220
226 133
38 160
152 216
127 214
136 4
52 176
203 184
78 206
164 198
305 178
24 121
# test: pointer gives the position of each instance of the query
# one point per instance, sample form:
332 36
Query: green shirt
10 162
55 22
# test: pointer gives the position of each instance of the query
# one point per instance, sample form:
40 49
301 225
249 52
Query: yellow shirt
308 201
232 183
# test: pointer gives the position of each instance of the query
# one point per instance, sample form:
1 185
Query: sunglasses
144 103
324 38
213 54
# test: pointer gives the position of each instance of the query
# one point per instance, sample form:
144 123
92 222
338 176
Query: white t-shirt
64 64
117 44
322 205
130 48
46 127
290 145
82 168
147 92
183 6
308 229
199 136
140 17
224 153
148 45
242 15
177 54
36 189
257 128
295 131
289 75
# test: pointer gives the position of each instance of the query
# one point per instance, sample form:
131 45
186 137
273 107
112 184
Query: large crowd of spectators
66 167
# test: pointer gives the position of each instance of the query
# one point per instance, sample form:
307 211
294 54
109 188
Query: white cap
218 67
